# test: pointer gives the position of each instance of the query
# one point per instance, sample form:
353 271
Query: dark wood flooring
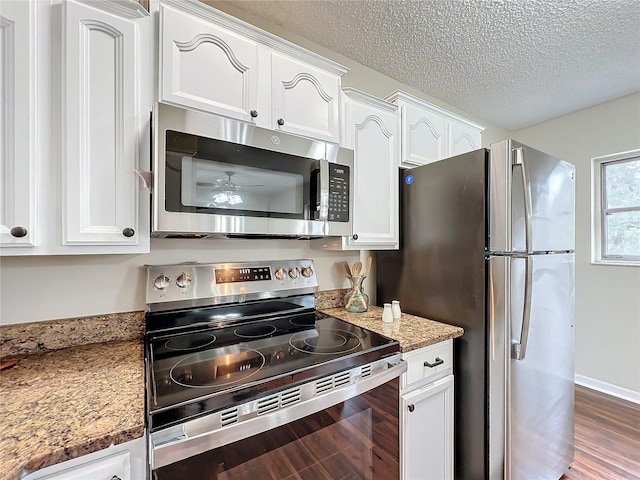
607 438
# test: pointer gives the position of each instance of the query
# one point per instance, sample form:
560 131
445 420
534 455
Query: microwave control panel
338 193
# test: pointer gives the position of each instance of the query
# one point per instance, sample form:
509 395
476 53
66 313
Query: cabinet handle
355 236
437 362
18 232
253 113
116 477
280 121
411 407
128 232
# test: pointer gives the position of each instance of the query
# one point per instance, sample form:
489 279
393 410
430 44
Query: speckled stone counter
39 337
63 404
412 332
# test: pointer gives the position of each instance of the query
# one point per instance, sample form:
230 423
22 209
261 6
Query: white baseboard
608 388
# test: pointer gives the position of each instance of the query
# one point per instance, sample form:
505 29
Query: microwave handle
323 191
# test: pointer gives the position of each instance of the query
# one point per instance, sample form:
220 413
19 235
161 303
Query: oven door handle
206 433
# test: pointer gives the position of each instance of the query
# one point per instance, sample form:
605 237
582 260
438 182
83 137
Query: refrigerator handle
518 160
519 349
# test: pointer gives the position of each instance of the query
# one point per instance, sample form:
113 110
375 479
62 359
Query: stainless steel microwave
216 176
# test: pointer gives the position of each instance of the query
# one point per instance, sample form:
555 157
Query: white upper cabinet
103 130
73 138
430 133
372 130
207 67
213 62
17 124
306 100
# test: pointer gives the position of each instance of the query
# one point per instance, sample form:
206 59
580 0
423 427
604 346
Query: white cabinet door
372 131
305 100
113 467
430 133
423 137
17 123
207 67
125 461
102 123
463 138
427 432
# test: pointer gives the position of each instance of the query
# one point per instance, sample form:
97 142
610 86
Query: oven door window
210 176
355 439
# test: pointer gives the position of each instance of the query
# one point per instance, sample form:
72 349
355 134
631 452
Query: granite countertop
63 404
412 332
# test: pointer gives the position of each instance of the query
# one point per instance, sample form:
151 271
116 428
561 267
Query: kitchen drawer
419 372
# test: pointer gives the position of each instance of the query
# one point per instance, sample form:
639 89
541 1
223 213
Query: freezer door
531 200
541 384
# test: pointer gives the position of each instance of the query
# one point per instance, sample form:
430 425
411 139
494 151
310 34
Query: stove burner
254 331
217 367
326 342
303 322
190 342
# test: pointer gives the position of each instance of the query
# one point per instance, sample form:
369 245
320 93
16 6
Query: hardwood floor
607 438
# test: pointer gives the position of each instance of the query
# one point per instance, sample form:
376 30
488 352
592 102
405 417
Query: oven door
341 431
222 176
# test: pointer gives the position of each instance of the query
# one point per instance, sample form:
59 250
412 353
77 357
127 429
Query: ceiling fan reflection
229 194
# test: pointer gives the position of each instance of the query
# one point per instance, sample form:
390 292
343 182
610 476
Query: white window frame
597 210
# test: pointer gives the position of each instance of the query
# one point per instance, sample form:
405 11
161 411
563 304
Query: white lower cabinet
126 461
426 414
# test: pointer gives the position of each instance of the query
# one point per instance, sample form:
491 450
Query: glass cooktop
209 369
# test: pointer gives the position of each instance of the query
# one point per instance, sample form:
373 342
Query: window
616 208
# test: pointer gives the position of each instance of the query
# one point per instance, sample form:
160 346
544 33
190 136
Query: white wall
607 297
45 288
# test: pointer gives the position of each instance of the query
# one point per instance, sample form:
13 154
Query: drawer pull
438 361
115 477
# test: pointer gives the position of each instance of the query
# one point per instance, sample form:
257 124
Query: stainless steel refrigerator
487 244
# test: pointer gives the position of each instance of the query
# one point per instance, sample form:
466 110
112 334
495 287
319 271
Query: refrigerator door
439 273
541 385
532 200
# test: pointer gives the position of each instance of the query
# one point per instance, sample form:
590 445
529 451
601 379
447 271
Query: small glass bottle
395 310
387 315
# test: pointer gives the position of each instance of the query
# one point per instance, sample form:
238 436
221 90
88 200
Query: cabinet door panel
305 98
375 141
17 123
114 466
462 138
424 138
102 131
427 432
207 67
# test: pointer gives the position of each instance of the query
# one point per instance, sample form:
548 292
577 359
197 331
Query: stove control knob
161 282
280 273
306 271
294 272
183 281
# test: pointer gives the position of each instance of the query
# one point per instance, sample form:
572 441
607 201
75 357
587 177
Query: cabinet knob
438 361
18 232
355 236
128 232
280 121
411 407
253 113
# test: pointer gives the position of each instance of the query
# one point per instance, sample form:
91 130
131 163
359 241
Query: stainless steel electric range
245 379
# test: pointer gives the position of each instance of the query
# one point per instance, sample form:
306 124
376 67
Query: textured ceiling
511 62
